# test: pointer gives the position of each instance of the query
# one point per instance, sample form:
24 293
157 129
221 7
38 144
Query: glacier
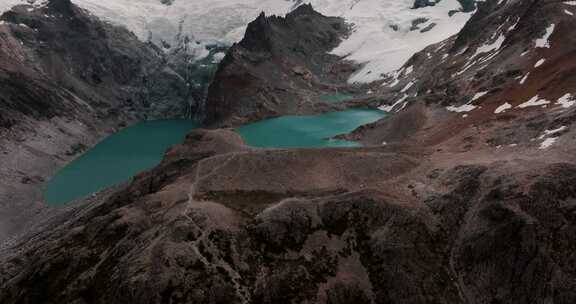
386 33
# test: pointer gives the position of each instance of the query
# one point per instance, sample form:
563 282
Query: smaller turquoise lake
308 131
140 147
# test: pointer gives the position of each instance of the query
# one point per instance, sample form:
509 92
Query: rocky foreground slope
67 80
465 195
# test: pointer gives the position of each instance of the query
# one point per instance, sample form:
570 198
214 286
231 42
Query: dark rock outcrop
280 67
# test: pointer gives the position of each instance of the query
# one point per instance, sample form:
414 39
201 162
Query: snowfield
7 4
203 20
385 35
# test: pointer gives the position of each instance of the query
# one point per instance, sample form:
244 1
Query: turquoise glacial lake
140 147
308 131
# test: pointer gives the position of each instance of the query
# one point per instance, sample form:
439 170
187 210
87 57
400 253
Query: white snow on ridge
462 108
468 106
534 102
552 132
547 143
503 108
523 80
487 48
544 42
390 108
566 101
478 96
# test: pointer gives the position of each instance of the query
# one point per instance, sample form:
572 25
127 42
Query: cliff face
281 66
67 80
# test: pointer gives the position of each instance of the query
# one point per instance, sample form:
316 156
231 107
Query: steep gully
463 204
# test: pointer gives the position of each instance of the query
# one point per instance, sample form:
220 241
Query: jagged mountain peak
279 58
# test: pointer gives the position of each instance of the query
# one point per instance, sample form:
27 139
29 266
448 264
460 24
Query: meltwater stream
124 154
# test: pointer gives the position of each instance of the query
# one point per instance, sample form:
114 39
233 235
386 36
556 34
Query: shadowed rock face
278 68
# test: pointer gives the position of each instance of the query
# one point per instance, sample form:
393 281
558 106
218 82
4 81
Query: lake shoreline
141 147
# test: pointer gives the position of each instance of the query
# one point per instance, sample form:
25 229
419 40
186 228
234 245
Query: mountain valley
464 193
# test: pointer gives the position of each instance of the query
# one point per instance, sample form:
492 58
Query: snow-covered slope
386 32
221 20
7 4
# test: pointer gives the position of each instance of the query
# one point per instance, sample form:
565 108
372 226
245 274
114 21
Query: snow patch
534 102
218 57
462 108
487 48
544 42
407 87
503 108
548 142
468 106
552 132
566 101
478 96
539 62
391 108
523 80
